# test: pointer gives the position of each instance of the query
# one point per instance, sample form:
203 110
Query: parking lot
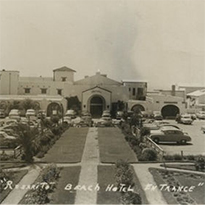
195 147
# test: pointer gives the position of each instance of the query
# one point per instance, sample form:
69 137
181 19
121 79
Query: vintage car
87 118
71 114
157 115
201 115
14 114
185 119
105 120
31 114
170 134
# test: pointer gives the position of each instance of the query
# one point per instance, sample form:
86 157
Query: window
133 91
140 91
129 89
63 79
27 90
43 90
59 91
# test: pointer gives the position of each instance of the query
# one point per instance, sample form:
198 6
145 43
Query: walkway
88 174
16 195
145 178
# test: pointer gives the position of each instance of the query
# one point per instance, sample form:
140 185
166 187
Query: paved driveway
195 147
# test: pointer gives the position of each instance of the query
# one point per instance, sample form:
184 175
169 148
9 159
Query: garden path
16 195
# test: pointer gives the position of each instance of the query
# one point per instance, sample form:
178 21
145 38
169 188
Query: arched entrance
137 108
170 111
97 106
54 109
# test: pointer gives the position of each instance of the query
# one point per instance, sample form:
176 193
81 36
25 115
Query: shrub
40 195
173 157
131 198
149 154
124 174
144 131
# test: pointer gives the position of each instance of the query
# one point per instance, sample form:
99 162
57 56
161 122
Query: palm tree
27 138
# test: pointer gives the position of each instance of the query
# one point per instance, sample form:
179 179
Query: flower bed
180 187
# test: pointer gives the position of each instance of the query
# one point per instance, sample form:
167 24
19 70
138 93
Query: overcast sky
161 41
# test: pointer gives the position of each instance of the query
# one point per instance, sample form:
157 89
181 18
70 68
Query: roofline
97 87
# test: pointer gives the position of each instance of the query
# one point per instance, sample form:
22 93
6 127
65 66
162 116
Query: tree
74 103
29 104
27 139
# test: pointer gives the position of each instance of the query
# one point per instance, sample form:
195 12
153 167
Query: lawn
179 179
113 146
68 175
69 148
15 177
106 177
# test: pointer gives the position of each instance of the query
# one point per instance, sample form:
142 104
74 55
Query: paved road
197 145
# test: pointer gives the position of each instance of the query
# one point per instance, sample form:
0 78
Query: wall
9 82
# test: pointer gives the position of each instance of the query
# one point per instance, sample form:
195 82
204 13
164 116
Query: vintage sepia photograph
102 102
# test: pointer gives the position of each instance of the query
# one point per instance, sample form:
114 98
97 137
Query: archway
54 109
137 108
97 106
170 111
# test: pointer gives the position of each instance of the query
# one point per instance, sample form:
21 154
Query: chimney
173 90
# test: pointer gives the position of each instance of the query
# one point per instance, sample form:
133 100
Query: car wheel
156 140
183 141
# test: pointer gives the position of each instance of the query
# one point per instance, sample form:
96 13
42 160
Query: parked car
201 115
105 120
203 129
157 115
66 120
87 118
170 134
41 113
70 113
151 126
31 114
119 115
2 113
185 119
14 114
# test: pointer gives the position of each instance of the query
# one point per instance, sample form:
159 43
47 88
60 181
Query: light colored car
66 120
87 118
157 115
119 115
105 120
186 119
70 113
170 134
201 115
31 114
14 114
